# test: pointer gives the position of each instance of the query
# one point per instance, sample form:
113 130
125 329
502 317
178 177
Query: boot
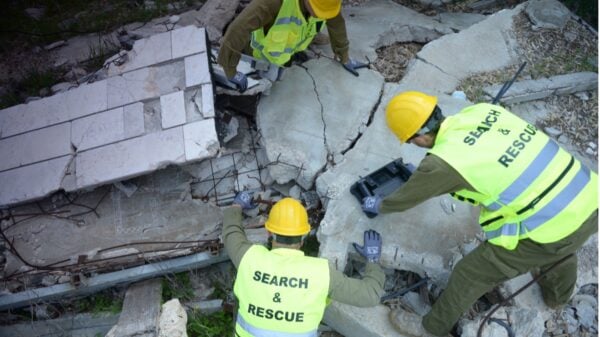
408 324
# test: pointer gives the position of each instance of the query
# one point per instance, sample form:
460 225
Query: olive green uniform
262 14
488 265
363 293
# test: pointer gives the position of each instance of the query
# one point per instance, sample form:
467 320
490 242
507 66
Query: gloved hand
371 204
371 249
240 80
244 199
352 65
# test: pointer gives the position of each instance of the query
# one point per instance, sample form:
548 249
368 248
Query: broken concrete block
172 109
351 321
460 21
522 322
215 15
173 320
55 45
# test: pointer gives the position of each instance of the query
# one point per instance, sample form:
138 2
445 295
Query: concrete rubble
317 131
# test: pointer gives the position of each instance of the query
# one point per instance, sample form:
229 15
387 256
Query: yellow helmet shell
288 217
326 9
407 112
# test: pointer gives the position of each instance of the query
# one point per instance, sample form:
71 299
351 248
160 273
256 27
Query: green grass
214 325
99 303
177 286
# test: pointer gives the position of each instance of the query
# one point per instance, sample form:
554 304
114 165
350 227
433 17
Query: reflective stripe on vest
258 332
528 186
280 291
289 34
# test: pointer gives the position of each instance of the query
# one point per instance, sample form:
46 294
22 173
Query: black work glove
371 249
352 65
244 199
240 80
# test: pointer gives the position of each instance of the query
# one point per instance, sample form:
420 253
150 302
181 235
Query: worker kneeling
282 292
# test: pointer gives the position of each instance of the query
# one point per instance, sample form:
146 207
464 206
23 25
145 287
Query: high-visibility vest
526 185
289 34
280 293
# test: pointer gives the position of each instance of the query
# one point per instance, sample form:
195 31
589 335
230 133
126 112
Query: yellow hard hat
325 9
407 113
288 217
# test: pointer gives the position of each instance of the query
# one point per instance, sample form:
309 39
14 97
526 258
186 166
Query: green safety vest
280 293
526 185
289 34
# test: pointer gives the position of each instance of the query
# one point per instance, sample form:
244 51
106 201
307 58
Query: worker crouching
282 292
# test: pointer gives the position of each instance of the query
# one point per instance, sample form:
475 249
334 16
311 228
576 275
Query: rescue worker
274 30
281 292
538 203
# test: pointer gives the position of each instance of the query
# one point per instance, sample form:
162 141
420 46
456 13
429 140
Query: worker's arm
259 13
365 292
234 237
338 37
433 177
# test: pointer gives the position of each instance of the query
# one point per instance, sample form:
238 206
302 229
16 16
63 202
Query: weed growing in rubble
177 286
99 303
213 325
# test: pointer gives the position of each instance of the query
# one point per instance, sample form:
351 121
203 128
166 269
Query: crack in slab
417 57
369 121
329 152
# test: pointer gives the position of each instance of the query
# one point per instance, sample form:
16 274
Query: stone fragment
141 310
295 192
586 309
174 19
460 21
128 188
552 132
75 74
61 87
173 320
35 13
232 129
215 15
200 139
548 13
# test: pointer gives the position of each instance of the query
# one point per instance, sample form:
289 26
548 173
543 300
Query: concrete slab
196 70
146 83
32 181
130 158
200 140
35 146
141 310
172 109
187 41
366 322
97 130
87 99
325 109
491 38
149 51
376 24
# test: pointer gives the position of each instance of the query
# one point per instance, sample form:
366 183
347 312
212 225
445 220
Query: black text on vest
484 126
275 314
280 281
517 146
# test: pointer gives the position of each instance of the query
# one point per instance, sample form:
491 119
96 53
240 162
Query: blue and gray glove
371 250
244 199
353 65
240 80
371 204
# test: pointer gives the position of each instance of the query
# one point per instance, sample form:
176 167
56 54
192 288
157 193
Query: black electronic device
382 182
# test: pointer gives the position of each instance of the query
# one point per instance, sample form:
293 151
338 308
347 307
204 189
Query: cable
505 301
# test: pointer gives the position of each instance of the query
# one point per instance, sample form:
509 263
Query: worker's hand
371 249
353 65
240 80
371 204
244 199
